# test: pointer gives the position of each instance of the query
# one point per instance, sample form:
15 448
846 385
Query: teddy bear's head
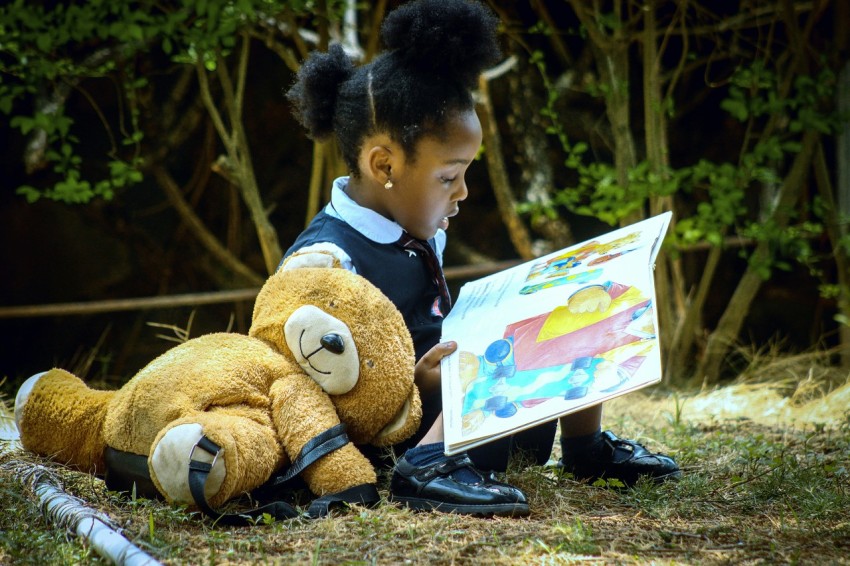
350 338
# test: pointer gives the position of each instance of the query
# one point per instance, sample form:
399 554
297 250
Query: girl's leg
590 454
532 446
435 433
582 423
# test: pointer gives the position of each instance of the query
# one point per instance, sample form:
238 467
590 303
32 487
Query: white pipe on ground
66 510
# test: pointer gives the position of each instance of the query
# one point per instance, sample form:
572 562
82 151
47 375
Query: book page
552 336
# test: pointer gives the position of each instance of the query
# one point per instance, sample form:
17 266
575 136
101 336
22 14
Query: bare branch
500 69
349 28
206 96
241 73
295 33
499 176
378 11
554 39
199 230
282 51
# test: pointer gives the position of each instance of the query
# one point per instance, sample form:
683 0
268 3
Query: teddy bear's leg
23 396
58 415
249 454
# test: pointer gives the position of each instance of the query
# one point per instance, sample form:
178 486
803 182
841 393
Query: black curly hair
435 51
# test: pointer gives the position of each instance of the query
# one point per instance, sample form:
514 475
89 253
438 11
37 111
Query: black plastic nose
333 343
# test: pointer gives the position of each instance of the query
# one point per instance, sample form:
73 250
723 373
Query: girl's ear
382 162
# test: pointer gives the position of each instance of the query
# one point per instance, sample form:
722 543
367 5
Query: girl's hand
426 374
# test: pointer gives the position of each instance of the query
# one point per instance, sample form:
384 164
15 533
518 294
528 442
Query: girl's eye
447 181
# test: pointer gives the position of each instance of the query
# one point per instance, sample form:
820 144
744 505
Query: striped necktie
408 242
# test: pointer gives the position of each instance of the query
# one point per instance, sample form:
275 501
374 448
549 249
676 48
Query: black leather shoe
432 487
624 460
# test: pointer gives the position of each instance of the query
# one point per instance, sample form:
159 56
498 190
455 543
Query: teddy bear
326 351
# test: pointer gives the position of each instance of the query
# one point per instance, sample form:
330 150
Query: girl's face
426 192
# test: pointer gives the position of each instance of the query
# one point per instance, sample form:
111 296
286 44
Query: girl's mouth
444 221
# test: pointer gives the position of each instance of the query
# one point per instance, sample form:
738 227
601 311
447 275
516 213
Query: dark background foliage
556 110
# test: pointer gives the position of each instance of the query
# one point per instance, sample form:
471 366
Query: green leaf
24 123
44 42
736 107
28 192
6 104
135 31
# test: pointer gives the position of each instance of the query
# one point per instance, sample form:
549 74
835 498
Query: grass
751 494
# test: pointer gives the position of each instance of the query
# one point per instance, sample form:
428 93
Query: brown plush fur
248 393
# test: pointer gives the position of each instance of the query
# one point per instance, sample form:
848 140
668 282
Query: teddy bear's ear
323 254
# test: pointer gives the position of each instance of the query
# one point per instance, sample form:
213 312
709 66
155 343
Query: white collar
374 226
365 220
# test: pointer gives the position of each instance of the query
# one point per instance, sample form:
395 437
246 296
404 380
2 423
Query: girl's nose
462 192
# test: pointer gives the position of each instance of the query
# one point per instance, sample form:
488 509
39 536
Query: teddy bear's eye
370 364
332 305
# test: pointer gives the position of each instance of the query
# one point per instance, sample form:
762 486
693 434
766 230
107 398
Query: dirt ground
766 470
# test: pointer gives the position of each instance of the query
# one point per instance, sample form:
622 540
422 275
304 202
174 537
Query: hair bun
450 37
314 95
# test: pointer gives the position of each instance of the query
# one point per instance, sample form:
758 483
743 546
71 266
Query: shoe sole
500 510
559 469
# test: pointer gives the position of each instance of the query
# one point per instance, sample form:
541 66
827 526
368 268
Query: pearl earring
389 184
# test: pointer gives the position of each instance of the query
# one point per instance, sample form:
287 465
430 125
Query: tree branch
729 325
209 103
499 176
303 50
242 72
285 54
199 230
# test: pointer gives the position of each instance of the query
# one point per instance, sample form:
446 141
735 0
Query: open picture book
552 336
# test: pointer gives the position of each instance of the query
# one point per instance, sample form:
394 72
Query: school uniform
410 275
376 247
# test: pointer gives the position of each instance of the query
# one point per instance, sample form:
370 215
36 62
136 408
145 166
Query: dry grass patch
751 494
755 491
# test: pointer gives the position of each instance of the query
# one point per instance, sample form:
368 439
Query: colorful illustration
566 278
552 336
595 341
562 268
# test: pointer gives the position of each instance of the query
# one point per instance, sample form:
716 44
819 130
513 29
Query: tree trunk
689 323
842 160
537 176
729 326
669 282
611 53
613 65
655 137
835 230
317 180
494 156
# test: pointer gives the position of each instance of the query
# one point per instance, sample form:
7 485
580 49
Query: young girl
407 129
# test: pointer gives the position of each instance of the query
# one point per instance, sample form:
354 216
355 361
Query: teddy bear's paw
170 464
23 396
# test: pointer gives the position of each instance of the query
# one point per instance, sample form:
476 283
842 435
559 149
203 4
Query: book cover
552 336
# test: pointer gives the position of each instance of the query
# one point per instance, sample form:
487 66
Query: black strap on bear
198 474
317 447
